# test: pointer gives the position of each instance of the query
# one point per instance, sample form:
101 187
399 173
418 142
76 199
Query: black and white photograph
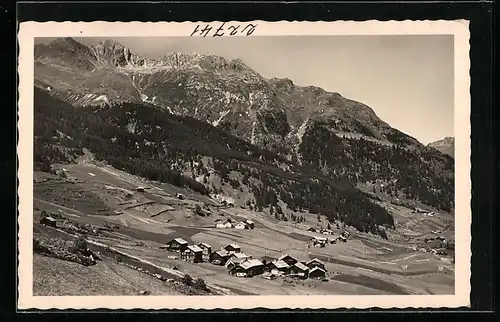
206 165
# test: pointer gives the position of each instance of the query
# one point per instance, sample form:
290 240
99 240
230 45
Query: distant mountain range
446 146
331 141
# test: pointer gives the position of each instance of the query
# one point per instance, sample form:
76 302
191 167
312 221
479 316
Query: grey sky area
407 80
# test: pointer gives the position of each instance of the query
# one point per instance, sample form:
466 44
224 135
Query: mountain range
446 146
257 126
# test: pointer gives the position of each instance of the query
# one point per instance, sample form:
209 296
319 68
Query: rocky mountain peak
446 145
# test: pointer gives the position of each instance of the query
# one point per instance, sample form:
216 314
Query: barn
299 269
315 263
317 272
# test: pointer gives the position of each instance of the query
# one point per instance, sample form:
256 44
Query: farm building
290 260
250 224
299 269
225 224
48 221
139 189
177 245
315 263
319 242
241 225
179 196
278 267
341 239
312 229
219 257
233 248
193 253
248 268
236 259
317 272
207 250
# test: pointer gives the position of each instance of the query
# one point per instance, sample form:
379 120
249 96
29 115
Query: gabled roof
316 269
251 263
241 223
301 266
248 221
222 253
285 256
315 260
180 241
204 245
240 255
233 245
49 218
195 248
280 264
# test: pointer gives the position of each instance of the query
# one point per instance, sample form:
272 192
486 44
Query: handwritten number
195 30
219 32
235 28
216 34
252 29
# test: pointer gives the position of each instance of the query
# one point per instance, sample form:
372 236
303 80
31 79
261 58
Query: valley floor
142 221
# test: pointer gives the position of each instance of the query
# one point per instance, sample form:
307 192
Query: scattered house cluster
247 224
323 241
438 245
287 265
241 264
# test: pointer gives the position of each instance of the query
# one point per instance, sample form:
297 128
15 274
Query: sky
406 79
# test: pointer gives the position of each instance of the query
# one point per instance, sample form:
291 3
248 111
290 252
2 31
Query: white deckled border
459 28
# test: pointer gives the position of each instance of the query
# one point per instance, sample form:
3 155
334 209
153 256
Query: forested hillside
145 140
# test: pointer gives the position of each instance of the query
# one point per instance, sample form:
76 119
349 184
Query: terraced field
100 195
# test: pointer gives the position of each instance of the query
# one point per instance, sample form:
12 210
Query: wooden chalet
192 253
317 272
237 258
233 248
278 267
220 257
290 260
248 268
299 269
207 250
177 245
315 263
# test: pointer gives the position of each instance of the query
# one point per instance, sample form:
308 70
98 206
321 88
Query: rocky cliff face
315 128
445 146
